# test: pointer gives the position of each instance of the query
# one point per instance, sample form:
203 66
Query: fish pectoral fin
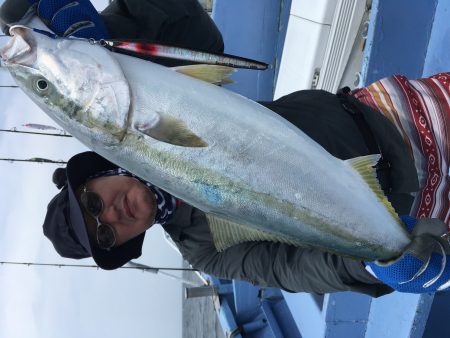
209 73
365 166
226 233
171 130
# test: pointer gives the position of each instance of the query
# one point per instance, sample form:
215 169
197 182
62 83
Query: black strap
359 119
383 166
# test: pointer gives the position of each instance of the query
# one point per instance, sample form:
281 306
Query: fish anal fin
209 73
365 166
171 130
227 233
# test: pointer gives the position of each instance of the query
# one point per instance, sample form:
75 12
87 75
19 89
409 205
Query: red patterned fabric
420 109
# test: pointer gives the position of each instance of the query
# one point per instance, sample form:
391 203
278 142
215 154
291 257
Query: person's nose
110 214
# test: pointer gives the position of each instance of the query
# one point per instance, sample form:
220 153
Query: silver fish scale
257 169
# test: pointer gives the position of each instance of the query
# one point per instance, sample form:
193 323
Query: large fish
218 151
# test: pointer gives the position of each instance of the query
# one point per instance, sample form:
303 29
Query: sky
67 302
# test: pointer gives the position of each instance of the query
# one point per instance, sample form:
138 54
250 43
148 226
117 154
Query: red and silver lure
147 49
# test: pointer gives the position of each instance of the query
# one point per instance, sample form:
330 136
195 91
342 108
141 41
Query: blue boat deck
253 30
252 312
409 37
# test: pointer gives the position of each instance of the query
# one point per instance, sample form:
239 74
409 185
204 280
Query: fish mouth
20 49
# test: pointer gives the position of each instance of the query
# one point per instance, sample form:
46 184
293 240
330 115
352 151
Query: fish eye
41 85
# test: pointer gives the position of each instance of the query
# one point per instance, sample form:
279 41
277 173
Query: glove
64 17
424 265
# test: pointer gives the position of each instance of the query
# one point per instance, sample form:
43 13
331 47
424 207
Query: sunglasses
93 204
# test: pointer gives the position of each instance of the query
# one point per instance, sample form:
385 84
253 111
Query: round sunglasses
93 204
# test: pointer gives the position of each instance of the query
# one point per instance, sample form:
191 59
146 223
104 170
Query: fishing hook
101 42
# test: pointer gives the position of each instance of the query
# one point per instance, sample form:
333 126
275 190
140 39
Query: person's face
129 207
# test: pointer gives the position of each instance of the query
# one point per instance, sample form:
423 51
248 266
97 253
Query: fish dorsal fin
209 73
365 166
170 130
227 233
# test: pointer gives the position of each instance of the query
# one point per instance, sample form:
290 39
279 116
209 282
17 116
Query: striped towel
420 109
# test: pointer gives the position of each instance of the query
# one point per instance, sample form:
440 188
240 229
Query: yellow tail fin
365 166
227 233
208 73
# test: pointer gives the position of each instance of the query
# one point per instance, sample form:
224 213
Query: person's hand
424 266
64 17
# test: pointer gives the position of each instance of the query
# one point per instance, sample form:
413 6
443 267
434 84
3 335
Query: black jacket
182 23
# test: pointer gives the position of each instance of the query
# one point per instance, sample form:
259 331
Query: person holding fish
104 210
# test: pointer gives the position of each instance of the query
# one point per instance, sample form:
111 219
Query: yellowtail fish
229 156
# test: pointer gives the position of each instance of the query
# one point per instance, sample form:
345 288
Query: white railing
346 21
319 40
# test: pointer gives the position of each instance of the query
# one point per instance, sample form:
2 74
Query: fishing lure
150 50
145 49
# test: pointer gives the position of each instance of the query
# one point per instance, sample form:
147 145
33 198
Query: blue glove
67 17
424 266
64 17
